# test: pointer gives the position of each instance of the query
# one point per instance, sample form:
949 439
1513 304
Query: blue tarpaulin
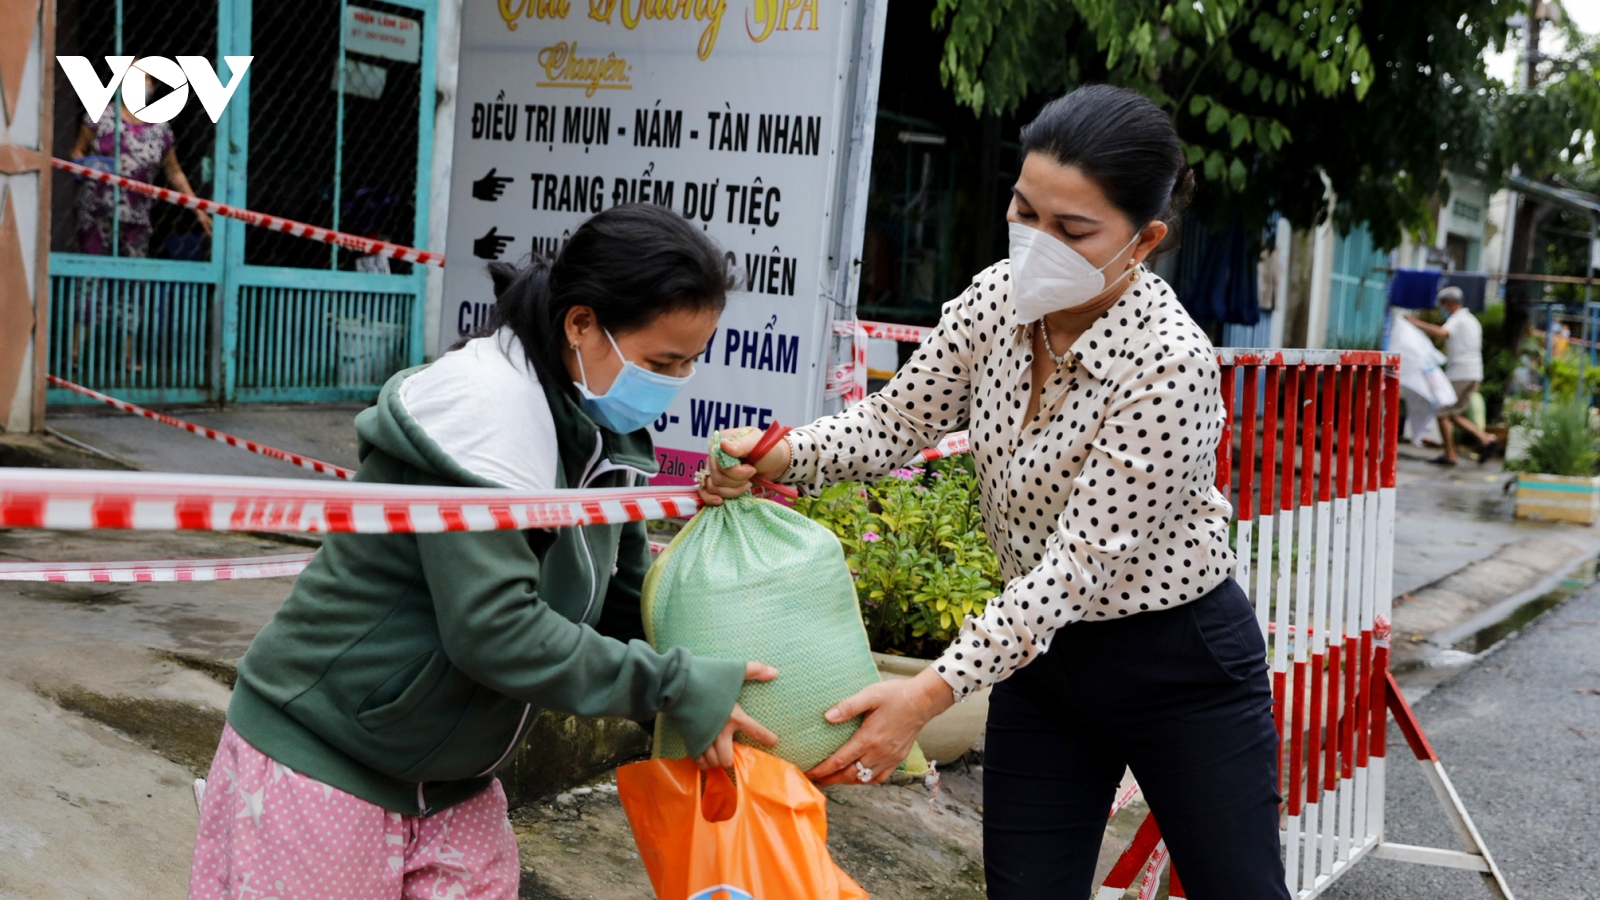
1414 288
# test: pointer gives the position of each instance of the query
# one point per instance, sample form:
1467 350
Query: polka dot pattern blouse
1102 506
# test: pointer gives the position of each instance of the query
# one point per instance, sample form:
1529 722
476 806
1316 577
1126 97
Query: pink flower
907 473
871 537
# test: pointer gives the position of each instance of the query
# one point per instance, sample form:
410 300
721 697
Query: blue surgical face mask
637 398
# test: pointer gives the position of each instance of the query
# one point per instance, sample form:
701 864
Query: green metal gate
1357 303
322 131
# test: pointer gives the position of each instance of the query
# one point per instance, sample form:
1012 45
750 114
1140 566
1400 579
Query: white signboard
382 34
737 114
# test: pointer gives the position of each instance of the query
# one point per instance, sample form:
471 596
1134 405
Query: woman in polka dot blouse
1120 639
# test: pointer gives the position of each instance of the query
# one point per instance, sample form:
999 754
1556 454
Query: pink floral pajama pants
269 833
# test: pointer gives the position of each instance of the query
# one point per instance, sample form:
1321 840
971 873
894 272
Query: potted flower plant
1556 476
915 544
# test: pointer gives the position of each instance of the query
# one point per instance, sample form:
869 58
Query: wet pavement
1519 735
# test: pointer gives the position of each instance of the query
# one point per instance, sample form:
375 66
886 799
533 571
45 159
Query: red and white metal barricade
1310 465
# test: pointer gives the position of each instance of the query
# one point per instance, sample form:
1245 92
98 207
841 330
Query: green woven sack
752 579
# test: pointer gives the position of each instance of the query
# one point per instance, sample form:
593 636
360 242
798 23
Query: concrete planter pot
952 732
1562 498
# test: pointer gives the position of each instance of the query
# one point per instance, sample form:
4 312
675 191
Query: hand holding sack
760 835
752 579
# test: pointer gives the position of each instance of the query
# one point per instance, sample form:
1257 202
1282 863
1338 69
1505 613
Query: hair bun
1182 190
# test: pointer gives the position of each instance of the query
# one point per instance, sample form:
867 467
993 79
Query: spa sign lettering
732 113
762 18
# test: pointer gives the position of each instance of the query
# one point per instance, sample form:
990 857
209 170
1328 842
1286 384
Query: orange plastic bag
761 835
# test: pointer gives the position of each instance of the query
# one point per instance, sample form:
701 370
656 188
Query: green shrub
916 545
1564 441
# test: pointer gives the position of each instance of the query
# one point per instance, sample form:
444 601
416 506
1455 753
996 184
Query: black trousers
1179 696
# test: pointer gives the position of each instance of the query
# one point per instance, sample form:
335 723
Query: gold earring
1133 276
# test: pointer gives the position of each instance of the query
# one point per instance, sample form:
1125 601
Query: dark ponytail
629 264
1123 143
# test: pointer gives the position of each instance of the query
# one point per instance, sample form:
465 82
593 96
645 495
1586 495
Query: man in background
1463 349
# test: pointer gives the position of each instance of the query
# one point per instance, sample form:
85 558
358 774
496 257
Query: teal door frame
212 372
240 276
1357 305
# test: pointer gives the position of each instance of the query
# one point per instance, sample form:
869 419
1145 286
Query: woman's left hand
205 221
894 712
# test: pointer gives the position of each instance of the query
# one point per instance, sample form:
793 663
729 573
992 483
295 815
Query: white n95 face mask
1048 276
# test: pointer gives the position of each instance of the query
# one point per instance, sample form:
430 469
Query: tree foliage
1550 132
1266 94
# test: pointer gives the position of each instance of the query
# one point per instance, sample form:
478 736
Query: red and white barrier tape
304 462
250 217
158 569
76 499
889 331
952 445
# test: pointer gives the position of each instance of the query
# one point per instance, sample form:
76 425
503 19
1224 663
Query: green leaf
1216 118
1238 129
1237 174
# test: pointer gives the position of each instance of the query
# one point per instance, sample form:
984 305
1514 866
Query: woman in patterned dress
146 151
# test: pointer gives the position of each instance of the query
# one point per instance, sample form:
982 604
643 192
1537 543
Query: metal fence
327 128
1309 463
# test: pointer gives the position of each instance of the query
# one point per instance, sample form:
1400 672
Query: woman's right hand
722 484
720 753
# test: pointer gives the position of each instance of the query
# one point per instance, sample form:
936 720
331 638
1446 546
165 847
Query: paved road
1519 735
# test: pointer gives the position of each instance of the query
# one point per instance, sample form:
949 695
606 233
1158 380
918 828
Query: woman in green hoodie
371 713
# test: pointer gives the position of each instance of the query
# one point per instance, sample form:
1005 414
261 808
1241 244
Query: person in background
124 145
146 151
1463 348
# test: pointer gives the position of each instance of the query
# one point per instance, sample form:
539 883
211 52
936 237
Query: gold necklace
1067 359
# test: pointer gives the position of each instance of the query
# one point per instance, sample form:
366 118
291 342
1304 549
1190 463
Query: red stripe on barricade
161 570
1247 446
1346 379
1297 741
1128 866
1225 446
1314 728
1269 447
1291 405
1377 737
250 217
304 462
70 499
1332 773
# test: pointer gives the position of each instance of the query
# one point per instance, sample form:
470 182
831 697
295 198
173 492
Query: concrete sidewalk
322 431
